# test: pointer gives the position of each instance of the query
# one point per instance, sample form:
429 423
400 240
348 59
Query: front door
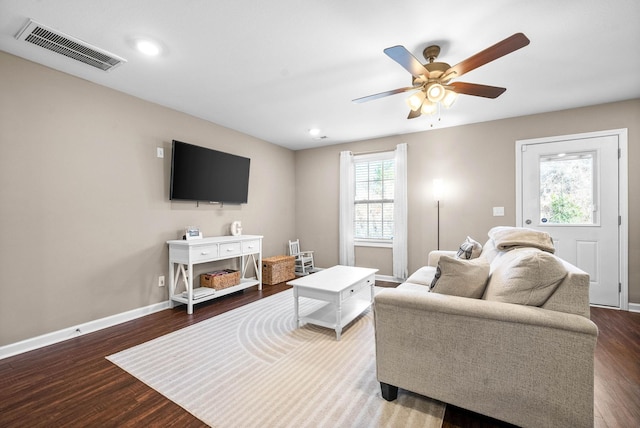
570 190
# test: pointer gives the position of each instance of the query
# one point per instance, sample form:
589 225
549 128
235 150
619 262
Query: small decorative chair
304 259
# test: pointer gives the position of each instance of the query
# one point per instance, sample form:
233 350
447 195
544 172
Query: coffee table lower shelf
327 316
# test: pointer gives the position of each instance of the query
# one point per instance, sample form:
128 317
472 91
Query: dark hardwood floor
71 383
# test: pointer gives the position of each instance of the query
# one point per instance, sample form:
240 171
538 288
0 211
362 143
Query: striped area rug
251 367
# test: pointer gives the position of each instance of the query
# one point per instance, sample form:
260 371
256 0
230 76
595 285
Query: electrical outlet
161 281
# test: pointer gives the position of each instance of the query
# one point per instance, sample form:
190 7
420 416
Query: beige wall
478 164
84 206
84 209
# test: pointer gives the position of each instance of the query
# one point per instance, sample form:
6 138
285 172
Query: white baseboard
78 330
634 307
388 278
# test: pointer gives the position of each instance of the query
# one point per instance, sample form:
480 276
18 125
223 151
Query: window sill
380 243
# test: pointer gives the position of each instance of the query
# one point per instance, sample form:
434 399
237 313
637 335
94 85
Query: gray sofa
529 363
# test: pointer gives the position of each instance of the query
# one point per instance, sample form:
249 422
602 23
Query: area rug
251 367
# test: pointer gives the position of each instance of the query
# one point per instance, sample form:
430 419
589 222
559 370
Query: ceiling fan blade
414 113
384 94
500 49
477 90
410 63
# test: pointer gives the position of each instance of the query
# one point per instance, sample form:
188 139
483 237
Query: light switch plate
160 152
498 211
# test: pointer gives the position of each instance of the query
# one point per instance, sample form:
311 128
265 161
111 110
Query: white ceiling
274 69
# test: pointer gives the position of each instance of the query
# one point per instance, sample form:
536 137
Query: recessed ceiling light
314 132
148 47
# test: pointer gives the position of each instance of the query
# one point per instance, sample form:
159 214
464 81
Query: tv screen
201 174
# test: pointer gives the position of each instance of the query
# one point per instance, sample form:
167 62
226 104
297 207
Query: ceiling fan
433 81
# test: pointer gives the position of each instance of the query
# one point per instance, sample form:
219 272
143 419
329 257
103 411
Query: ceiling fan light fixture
428 107
431 81
435 92
449 98
415 101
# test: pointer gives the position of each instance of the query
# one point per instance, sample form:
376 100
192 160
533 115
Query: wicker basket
278 269
220 279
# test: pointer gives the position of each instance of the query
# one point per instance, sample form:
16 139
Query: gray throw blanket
507 238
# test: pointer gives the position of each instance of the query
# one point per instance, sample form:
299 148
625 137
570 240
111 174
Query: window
374 197
567 189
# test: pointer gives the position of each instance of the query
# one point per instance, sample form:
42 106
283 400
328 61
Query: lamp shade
449 98
438 189
428 107
435 92
415 100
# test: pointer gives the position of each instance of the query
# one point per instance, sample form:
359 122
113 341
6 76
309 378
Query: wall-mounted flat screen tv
202 174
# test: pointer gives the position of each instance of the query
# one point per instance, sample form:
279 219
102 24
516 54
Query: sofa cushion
413 287
526 276
460 277
422 276
469 249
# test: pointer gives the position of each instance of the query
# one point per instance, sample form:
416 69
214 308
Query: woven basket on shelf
220 279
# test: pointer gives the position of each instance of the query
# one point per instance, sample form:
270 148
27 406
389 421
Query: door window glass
567 189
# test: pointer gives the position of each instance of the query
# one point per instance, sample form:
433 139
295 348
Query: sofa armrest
435 255
507 361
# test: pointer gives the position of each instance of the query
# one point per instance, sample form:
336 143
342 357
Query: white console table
184 254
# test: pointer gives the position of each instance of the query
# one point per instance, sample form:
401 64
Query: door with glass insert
570 190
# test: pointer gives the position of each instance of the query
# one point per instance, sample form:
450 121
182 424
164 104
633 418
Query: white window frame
370 157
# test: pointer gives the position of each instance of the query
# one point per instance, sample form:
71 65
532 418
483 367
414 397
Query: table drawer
230 249
250 247
366 283
204 252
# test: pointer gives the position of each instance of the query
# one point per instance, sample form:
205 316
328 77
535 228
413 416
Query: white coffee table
348 291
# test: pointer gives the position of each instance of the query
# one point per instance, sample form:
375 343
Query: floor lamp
437 195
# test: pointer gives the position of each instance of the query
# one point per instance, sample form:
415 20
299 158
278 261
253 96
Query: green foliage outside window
567 189
565 211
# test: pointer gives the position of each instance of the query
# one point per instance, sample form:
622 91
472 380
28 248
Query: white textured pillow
469 249
525 276
460 277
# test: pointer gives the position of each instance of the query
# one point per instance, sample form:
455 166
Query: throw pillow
525 276
507 238
460 277
469 249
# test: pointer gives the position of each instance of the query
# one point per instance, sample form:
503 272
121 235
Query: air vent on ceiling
68 46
